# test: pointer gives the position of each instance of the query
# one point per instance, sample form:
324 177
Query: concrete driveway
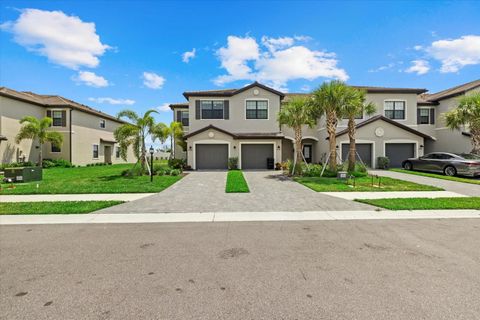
204 191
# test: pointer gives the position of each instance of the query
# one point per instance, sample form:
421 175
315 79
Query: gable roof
452 92
392 122
249 135
53 101
230 92
178 105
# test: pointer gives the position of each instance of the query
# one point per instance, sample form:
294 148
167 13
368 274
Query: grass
324 184
425 203
236 182
100 179
439 176
54 207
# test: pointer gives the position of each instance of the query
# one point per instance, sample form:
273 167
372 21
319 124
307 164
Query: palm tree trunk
40 155
331 129
475 132
298 149
353 150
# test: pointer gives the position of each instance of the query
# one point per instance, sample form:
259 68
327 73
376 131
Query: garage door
254 156
399 152
364 150
211 156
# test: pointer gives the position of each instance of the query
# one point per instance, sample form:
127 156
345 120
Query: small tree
174 131
295 114
33 128
355 104
467 113
134 134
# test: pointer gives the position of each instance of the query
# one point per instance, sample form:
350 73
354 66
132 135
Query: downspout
71 143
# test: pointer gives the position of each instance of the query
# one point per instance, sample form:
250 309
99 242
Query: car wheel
450 171
408 165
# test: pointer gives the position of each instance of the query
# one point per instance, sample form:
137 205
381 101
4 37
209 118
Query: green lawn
323 184
236 182
54 207
439 176
100 179
425 203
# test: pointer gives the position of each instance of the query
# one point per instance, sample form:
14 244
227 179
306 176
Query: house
87 133
242 123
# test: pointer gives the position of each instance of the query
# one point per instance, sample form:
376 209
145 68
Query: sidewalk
74 197
237 216
393 194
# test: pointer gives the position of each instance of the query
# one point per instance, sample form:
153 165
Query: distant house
87 133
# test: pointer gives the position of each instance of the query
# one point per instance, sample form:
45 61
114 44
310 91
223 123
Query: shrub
133 172
311 170
167 171
175 172
176 163
233 163
157 167
383 162
160 172
16 165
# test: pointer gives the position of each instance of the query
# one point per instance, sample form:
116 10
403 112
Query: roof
452 92
230 92
250 135
53 101
395 123
178 105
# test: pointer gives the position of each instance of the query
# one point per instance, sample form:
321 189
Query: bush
160 172
133 172
176 163
157 167
53 163
175 172
311 170
383 162
233 163
16 165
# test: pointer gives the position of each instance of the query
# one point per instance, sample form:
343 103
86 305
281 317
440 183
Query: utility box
24 174
342 175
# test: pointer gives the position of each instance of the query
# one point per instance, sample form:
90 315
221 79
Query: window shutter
64 118
418 116
197 109
432 116
49 115
179 116
226 109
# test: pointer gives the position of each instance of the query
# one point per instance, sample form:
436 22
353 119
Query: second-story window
58 118
395 110
184 118
424 115
102 123
212 109
257 109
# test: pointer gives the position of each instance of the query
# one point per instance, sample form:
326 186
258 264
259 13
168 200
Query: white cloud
164 107
383 68
454 54
113 101
419 67
91 79
153 80
188 55
65 40
282 61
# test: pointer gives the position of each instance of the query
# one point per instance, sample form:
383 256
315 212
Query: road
376 269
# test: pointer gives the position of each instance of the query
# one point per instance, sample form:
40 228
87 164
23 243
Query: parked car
449 164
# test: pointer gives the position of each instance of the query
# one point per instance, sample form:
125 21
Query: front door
108 154
307 152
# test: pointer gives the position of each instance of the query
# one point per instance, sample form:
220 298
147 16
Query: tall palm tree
355 104
174 131
328 101
295 114
467 113
33 128
134 133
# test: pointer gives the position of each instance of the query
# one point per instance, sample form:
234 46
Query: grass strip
439 176
425 203
54 207
236 182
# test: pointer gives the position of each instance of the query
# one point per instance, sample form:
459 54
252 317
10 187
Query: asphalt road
409 269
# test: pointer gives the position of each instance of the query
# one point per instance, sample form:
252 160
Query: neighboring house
243 123
87 133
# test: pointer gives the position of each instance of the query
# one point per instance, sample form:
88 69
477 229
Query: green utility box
24 174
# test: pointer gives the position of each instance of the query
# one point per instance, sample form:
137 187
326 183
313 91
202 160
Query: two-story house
87 133
243 123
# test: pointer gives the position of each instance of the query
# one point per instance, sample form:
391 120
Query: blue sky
131 53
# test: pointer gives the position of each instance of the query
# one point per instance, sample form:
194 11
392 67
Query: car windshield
468 156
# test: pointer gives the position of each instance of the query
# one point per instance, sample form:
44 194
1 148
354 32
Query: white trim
303 138
274 145
253 99
398 141
360 141
394 100
194 151
290 138
223 118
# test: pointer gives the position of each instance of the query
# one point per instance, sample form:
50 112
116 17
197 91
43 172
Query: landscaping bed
54 207
236 182
425 203
439 176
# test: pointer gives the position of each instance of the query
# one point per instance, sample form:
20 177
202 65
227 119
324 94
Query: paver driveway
205 192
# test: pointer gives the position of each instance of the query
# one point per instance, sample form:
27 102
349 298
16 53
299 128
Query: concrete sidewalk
74 197
236 216
393 194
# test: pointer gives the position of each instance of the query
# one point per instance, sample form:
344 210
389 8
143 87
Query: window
184 118
395 110
212 109
95 151
55 149
57 117
424 116
257 109
102 123
117 152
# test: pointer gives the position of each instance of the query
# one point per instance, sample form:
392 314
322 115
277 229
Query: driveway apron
204 191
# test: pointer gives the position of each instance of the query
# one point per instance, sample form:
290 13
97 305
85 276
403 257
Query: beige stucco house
243 123
87 133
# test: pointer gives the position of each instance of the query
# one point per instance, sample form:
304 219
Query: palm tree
295 114
134 133
355 104
33 128
328 101
174 131
467 113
